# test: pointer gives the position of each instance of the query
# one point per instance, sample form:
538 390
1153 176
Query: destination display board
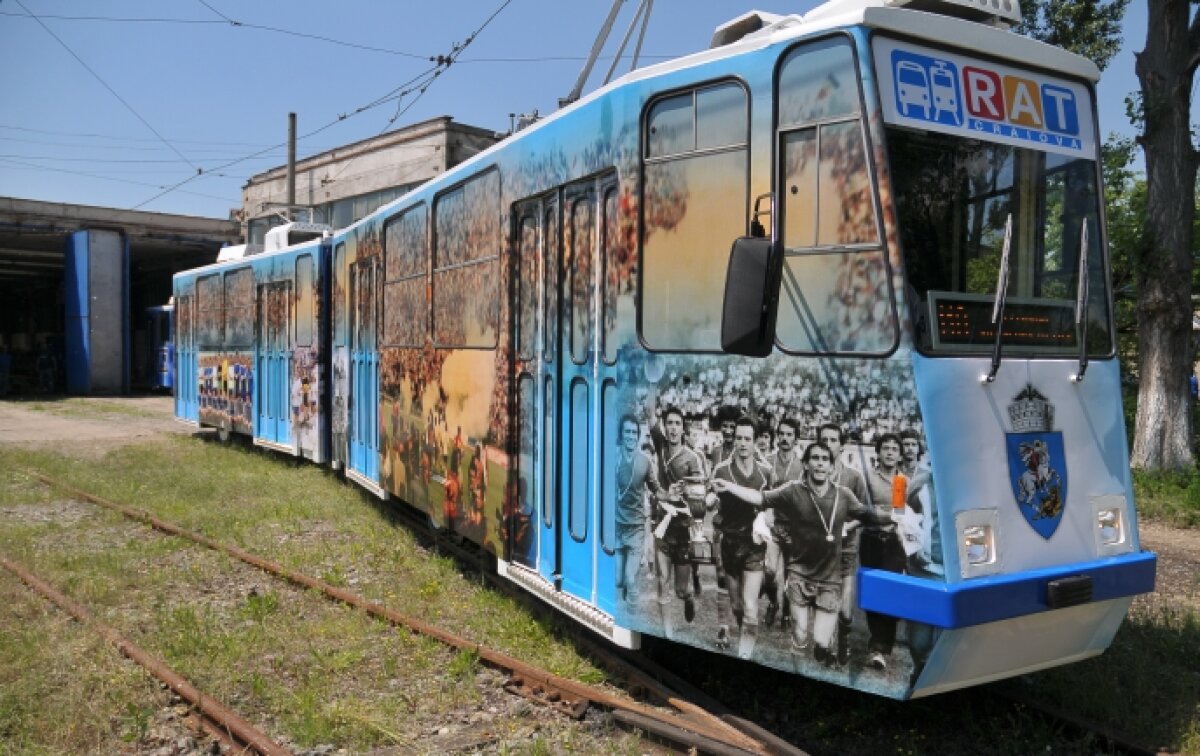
965 321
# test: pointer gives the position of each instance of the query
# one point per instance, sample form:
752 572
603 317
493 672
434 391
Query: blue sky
128 97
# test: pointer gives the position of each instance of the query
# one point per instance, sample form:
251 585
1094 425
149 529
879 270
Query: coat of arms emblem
1037 463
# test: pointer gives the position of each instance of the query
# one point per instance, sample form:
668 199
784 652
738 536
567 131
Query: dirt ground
110 420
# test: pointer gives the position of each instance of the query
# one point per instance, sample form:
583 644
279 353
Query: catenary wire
106 85
443 62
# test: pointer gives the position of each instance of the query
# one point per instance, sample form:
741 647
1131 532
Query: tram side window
406 271
611 278
340 304
527 281
239 308
209 311
304 300
694 198
835 296
466 273
578 269
183 321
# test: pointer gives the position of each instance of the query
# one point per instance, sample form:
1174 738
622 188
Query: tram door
549 451
577 426
271 420
526 524
364 369
186 379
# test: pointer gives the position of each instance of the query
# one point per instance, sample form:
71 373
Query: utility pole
291 165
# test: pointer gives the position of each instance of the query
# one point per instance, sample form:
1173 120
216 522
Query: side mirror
751 298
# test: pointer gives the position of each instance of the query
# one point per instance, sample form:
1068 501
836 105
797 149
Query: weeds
1171 497
464 665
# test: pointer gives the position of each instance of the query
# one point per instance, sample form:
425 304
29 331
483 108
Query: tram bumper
1003 625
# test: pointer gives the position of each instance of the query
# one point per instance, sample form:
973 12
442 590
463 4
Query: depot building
84 290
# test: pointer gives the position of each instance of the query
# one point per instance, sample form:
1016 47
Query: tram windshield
975 147
954 197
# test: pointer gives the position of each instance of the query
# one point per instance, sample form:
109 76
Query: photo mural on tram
225 335
339 405
306 378
363 285
835 404
566 228
443 429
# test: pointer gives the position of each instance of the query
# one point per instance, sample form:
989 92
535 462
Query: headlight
1111 529
979 544
1112 532
978 538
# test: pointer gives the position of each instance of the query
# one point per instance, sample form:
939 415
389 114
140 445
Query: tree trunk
1162 438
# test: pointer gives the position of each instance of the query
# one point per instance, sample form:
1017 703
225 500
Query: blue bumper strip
989 599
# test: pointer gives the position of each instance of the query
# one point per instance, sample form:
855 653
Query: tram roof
964 34
939 29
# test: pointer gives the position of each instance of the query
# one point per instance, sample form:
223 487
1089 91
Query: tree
1090 28
1163 262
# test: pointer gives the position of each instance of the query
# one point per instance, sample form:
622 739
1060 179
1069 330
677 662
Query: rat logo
927 88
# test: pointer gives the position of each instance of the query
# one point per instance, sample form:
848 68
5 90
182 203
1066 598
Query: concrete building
75 280
116 262
343 185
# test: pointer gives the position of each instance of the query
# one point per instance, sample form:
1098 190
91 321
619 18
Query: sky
147 104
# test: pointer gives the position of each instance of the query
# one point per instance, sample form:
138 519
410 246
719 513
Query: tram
879 443
159 365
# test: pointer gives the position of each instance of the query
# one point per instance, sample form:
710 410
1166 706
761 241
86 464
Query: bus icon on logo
926 88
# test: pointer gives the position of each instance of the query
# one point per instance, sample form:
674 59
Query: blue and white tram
158 367
251 343
918 482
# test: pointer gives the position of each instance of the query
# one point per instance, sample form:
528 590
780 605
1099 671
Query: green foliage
260 606
1090 28
1125 211
1167 496
464 664
136 722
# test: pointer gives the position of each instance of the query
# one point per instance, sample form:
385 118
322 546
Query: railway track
689 720
678 714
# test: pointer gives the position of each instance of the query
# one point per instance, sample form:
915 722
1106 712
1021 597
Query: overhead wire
455 53
224 20
396 93
114 137
341 117
106 85
104 177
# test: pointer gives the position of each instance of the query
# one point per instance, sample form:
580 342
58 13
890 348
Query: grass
1169 497
322 673
316 673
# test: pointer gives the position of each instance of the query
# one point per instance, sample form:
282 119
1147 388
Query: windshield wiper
1001 296
1081 303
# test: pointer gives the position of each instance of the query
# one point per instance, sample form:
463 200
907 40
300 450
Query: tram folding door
364 370
578 443
272 423
530 523
187 381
